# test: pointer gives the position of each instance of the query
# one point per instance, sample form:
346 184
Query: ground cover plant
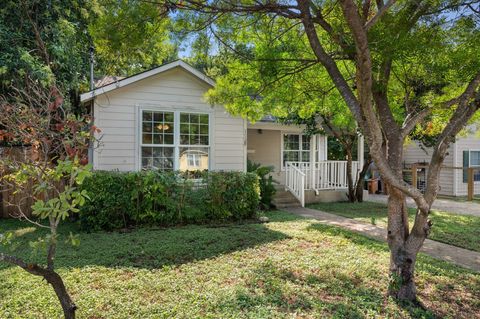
288 267
454 229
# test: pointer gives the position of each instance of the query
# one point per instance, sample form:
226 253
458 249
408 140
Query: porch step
283 194
284 199
280 206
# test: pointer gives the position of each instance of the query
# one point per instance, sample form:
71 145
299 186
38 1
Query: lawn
458 230
288 268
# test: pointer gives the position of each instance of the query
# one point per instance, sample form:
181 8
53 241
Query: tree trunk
402 275
360 181
351 187
51 277
60 290
402 254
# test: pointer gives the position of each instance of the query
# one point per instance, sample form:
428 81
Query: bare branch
412 119
366 9
379 14
287 11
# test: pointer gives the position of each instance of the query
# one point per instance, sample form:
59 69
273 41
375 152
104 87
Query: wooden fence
12 201
411 176
469 170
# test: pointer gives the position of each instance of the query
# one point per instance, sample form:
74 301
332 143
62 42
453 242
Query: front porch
302 178
301 164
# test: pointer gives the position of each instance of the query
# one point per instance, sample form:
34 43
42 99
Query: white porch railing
332 174
295 182
319 176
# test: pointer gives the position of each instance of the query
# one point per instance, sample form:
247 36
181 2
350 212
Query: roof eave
87 96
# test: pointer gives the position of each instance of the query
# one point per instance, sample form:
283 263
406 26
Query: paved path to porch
445 205
463 257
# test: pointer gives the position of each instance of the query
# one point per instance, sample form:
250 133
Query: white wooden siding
116 114
413 153
470 142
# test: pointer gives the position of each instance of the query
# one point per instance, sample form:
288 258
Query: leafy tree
50 40
55 142
269 65
393 63
130 36
42 41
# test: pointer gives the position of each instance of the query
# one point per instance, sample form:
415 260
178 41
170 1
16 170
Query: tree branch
412 119
371 126
328 62
34 269
379 14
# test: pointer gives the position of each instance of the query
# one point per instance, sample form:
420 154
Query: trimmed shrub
110 201
267 189
119 200
230 195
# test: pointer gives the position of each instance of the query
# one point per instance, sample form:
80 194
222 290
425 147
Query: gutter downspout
92 87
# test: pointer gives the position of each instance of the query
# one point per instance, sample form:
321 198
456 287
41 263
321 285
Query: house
159 119
462 154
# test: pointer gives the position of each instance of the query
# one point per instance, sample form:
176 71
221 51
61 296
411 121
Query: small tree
55 142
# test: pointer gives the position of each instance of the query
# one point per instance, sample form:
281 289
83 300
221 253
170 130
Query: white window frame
300 140
176 134
193 160
470 165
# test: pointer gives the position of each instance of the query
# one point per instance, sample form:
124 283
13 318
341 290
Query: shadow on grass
149 247
351 236
271 287
424 263
279 216
416 309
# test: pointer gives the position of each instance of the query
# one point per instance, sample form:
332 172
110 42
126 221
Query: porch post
313 147
361 150
322 147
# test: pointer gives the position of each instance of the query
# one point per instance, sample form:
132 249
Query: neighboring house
464 153
158 119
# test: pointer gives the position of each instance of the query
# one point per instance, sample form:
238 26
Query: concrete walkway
445 205
463 257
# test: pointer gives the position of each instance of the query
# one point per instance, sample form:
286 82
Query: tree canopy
49 42
44 40
397 65
130 37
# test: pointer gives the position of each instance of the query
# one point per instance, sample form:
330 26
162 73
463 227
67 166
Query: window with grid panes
194 141
165 134
158 140
296 148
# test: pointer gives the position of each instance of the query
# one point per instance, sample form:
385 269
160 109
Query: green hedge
120 199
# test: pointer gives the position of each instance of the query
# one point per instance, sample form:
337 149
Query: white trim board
176 137
85 97
300 134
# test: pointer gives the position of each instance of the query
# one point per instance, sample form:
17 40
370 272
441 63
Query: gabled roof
143 75
109 79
